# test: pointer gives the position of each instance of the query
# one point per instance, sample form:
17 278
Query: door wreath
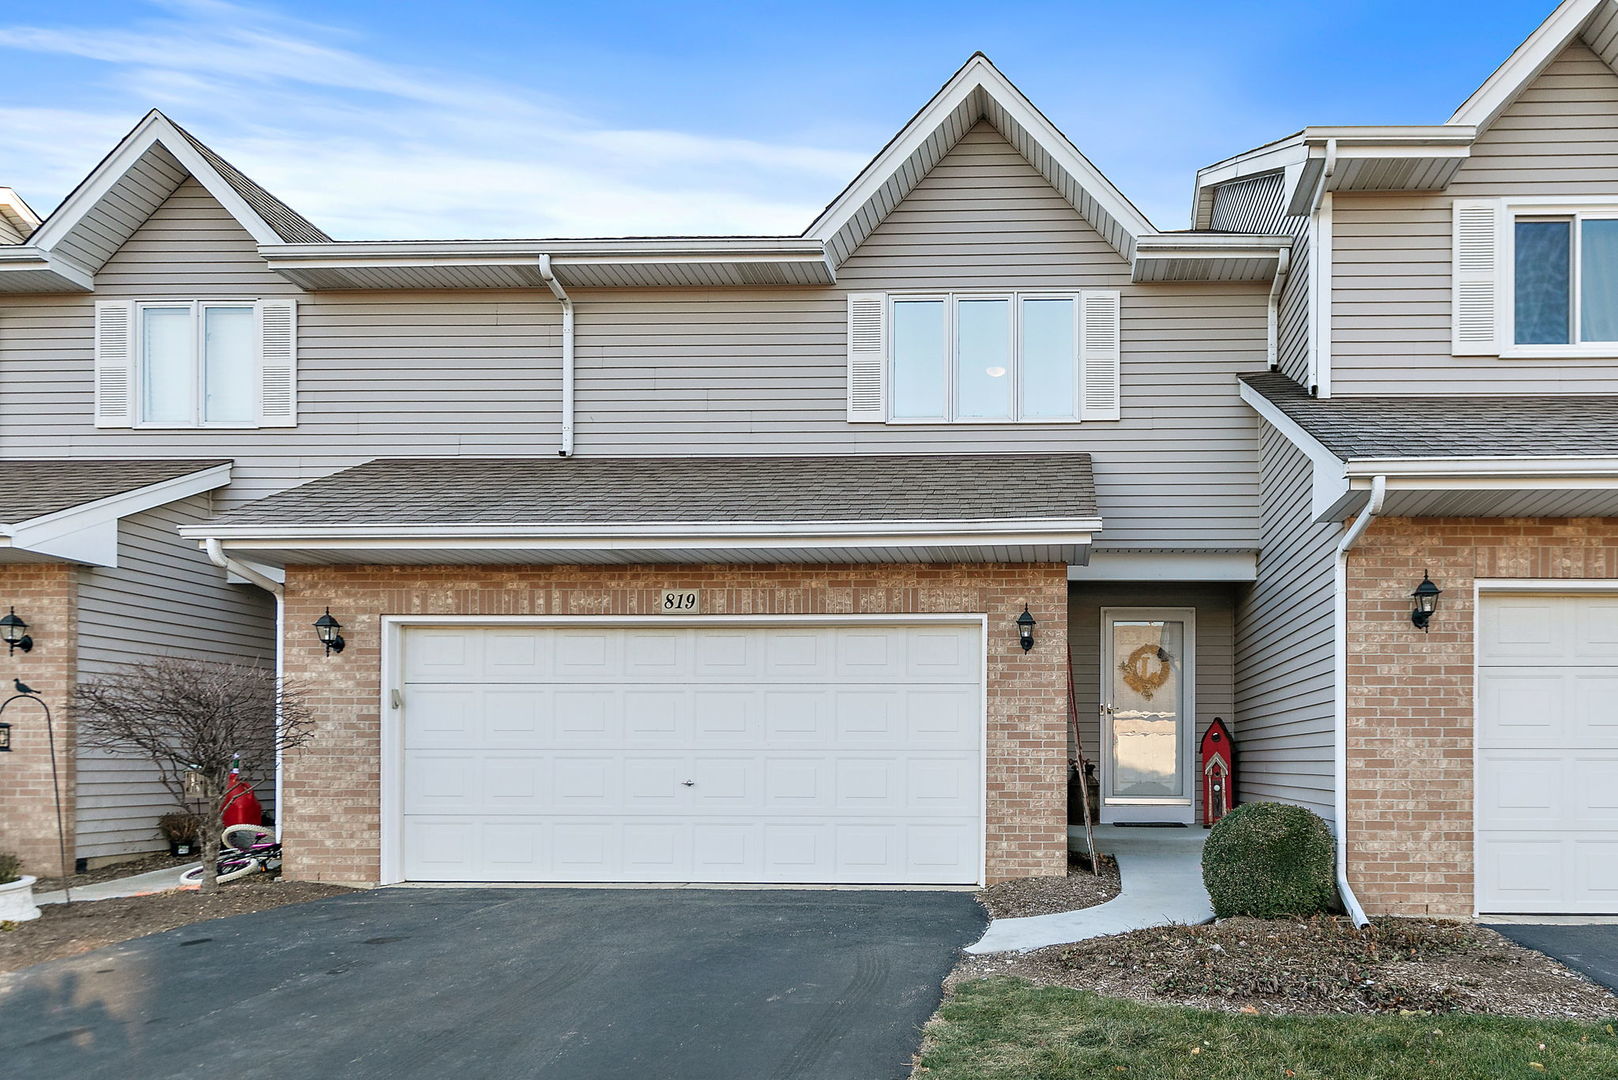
1141 677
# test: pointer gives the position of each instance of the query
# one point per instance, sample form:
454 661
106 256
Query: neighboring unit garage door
782 754
1548 754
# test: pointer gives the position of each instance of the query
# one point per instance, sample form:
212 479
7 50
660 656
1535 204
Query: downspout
1283 267
1320 288
1379 491
217 556
566 449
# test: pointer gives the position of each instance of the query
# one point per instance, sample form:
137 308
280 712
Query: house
780 559
684 558
1444 408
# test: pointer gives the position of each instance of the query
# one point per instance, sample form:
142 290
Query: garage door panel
694 754
1547 784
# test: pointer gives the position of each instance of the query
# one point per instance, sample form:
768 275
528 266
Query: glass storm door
1147 714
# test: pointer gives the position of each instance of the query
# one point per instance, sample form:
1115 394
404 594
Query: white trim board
1167 566
391 748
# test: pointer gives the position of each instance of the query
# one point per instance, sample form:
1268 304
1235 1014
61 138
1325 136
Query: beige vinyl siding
685 371
1292 338
163 598
1215 660
379 373
1391 288
1284 644
1254 205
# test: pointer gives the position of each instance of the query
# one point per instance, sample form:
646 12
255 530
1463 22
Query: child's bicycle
247 849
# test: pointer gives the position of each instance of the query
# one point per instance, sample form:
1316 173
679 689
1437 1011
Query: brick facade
45 596
1410 695
331 787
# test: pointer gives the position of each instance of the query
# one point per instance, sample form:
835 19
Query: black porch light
1025 629
1426 598
5 737
328 627
15 633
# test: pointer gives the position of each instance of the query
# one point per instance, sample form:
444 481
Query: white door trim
1480 586
1173 810
392 731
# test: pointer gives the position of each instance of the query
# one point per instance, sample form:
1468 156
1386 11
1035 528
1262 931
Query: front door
1148 714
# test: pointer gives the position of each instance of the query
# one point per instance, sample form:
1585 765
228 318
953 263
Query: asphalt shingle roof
32 488
1445 425
624 491
288 224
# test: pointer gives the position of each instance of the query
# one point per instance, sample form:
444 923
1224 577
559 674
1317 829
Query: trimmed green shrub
1268 859
10 869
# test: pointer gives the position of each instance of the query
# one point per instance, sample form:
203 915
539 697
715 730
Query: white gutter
1379 491
1319 271
566 449
217 556
1283 267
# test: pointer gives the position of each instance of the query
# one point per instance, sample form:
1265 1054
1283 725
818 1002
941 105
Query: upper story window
1565 279
1535 278
196 363
984 358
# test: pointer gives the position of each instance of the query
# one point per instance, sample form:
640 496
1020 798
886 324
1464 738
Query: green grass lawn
1008 1029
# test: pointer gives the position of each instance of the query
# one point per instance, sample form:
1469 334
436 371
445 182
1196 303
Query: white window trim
198 404
1596 207
1015 297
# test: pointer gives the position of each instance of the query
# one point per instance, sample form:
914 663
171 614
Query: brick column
45 596
1411 714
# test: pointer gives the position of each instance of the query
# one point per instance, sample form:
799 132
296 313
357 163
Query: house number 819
683 602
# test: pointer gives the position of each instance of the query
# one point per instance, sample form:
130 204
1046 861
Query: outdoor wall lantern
1426 598
327 628
1025 629
15 633
5 737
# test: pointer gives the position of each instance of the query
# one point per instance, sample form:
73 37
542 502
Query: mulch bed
1320 965
141 864
1049 895
69 929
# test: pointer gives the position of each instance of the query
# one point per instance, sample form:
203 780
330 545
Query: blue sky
397 119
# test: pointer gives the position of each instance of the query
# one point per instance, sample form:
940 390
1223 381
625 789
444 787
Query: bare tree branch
193 719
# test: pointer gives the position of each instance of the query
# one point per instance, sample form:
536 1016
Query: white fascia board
1206 248
1330 483
1594 472
154 128
1167 566
345 253
693 534
1526 62
88 533
16 211
977 74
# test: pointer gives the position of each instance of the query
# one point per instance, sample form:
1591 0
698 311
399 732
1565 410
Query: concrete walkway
153 881
1162 884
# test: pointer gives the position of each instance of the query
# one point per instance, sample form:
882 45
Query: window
196 363
981 358
1565 279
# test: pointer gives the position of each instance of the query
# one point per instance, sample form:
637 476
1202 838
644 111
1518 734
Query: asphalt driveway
1592 950
553 983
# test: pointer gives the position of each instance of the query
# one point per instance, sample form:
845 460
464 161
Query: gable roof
17 218
1593 21
978 91
143 170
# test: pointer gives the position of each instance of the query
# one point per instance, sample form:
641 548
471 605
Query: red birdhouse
1218 773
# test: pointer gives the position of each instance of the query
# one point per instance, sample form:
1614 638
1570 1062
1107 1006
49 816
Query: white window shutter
115 364
278 363
1099 349
1476 280
867 357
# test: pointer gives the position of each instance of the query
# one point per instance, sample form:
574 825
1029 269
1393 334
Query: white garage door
1548 754
783 754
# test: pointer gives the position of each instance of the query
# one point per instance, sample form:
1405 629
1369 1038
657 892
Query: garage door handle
690 783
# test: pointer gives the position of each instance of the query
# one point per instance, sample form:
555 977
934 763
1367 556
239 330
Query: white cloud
368 149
